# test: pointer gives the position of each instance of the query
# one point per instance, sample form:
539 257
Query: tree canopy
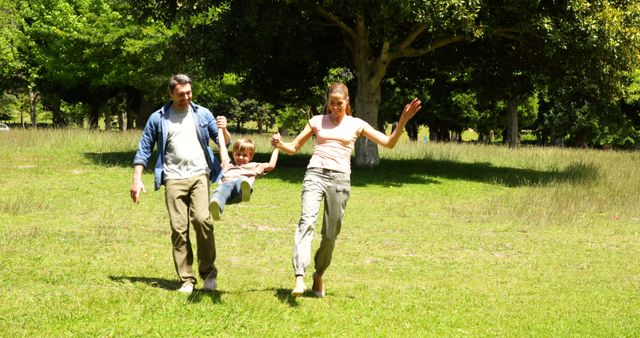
511 47
566 69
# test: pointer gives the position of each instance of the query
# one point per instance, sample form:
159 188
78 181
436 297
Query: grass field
439 240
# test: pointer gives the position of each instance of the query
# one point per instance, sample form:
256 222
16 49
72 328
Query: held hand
136 187
221 122
276 139
411 109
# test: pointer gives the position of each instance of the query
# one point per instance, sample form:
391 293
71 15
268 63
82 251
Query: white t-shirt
334 143
184 157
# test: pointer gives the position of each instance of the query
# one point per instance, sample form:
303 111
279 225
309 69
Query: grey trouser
188 203
335 188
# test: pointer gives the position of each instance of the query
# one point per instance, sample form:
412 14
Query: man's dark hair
178 79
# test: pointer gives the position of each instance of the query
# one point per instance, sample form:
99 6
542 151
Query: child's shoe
214 209
245 188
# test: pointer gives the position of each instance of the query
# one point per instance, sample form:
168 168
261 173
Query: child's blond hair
244 145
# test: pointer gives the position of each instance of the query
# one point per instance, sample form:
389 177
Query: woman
328 177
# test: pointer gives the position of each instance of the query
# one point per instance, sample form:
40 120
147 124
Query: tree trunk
21 118
366 107
32 108
133 99
441 134
370 71
456 135
514 131
122 120
94 114
433 134
412 130
556 139
59 120
581 139
129 120
145 109
107 118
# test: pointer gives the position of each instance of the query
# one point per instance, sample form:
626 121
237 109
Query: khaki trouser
188 203
335 188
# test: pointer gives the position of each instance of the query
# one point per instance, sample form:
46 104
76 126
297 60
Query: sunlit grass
439 240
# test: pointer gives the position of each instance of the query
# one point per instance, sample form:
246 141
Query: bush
292 119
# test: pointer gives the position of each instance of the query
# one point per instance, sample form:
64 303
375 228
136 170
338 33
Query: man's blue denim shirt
155 132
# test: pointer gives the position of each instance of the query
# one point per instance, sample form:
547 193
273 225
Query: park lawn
439 240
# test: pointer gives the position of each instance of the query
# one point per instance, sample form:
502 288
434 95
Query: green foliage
90 51
587 81
12 43
292 119
9 105
259 112
463 105
632 89
75 113
528 111
216 91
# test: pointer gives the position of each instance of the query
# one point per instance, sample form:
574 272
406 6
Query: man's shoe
210 284
214 209
187 287
245 188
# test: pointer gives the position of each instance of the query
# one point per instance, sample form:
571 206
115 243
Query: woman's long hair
337 87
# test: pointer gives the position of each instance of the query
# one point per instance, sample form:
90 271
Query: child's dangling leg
219 198
246 190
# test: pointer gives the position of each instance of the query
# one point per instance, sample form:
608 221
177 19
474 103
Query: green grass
439 240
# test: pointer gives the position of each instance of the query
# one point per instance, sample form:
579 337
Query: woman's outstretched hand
410 110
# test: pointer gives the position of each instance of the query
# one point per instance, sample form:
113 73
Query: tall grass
555 186
439 240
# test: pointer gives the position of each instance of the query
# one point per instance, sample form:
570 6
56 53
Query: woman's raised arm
390 141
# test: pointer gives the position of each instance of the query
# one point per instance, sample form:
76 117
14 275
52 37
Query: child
239 176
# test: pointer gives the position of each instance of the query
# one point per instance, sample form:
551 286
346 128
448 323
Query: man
185 166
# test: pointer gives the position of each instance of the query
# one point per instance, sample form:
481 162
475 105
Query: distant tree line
568 71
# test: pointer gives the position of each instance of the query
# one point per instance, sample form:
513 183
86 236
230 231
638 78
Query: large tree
376 36
12 41
284 47
90 51
17 73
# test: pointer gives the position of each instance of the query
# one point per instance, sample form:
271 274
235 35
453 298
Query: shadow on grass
160 283
400 172
284 295
429 171
170 285
198 295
